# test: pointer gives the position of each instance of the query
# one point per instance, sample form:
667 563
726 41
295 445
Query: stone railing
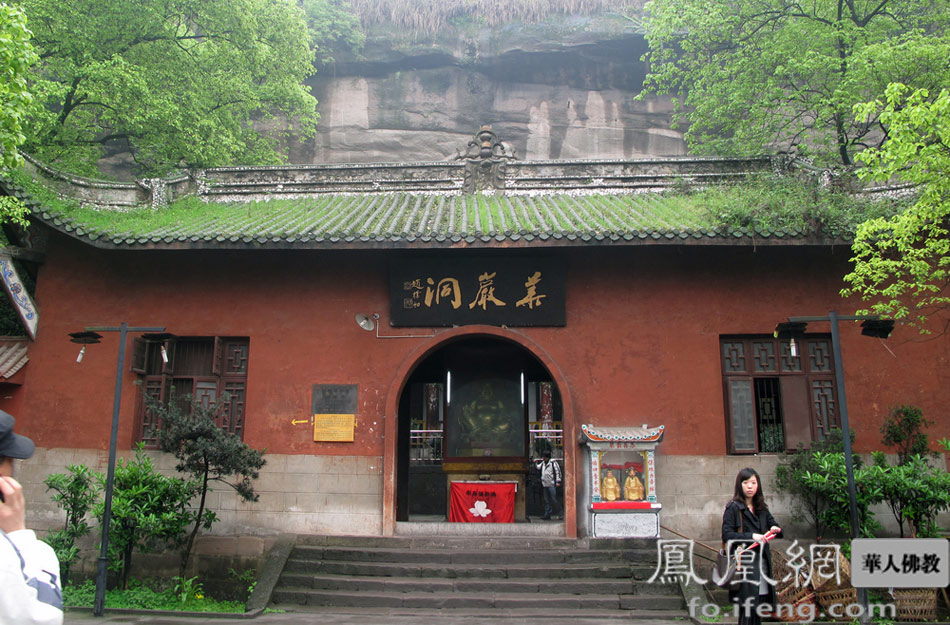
111 194
446 177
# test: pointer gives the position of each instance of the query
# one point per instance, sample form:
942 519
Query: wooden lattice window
209 370
775 400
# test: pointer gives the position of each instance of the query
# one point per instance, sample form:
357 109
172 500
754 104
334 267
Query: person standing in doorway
30 592
550 480
745 522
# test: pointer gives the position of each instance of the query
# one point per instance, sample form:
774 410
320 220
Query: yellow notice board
333 428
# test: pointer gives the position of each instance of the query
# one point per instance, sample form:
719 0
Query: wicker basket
916 604
792 604
841 598
781 570
829 584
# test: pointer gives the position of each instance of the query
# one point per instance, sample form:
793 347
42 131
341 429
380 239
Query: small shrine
620 489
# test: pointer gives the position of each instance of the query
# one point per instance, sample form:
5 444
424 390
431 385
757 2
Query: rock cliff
562 89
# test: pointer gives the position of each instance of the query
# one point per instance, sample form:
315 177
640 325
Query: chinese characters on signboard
334 412
506 291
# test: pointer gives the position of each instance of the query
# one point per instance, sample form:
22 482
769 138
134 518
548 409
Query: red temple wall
641 344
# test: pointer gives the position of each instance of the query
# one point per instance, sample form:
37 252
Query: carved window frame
806 386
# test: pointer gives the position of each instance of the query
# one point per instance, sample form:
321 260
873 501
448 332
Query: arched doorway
478 407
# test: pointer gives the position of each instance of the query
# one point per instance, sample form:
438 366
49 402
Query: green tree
149 512
75 492
184 84
16 56
915 491
903 429
333 27
791 477
754 75
831 482
206 452
902 263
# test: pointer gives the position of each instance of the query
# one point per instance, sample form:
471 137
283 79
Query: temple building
399 337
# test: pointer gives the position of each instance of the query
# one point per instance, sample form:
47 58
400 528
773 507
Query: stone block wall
298 494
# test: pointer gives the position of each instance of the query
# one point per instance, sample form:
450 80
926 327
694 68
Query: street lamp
872 325
89 336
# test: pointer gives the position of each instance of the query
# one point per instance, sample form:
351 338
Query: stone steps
489 576
475 600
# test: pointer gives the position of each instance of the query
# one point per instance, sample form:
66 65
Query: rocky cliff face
565 89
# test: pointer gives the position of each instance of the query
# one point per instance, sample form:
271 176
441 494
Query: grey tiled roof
406 220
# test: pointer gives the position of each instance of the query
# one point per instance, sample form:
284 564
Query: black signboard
334 398
493 290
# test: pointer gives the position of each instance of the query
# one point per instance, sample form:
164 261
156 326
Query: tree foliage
903 429
831 483
916 492
207 453
333 26
790 475
902 263
759 74
149 512
16 56
177 84
75 492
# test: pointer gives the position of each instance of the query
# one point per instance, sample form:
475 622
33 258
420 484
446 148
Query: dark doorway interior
493 377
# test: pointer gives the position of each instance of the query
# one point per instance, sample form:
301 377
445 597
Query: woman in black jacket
746 520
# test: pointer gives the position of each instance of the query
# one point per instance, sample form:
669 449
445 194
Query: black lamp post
91 335
872 326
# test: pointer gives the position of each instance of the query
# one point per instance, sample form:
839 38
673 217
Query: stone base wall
297 494
342 495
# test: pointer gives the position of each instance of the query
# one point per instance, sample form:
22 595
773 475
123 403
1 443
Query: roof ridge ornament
486 158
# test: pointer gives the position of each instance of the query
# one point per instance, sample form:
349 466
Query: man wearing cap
30 589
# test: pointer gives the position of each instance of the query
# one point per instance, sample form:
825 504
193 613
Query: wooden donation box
482 502
621 481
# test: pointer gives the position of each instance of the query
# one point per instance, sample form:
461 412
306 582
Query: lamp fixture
367 322
371 322
878 328
790 330
84 338
160 337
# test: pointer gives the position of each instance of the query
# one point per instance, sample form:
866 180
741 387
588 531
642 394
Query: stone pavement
359 616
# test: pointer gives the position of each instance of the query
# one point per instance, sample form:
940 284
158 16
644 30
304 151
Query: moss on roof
765 206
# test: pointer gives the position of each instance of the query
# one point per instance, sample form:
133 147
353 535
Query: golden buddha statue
610 487
632 487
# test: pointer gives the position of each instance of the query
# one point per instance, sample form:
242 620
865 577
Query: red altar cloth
482 502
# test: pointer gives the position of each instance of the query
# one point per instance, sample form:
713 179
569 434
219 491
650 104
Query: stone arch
416 356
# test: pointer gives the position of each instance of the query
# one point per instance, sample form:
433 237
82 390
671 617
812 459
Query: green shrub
916 492
830 482
790 478
76 494
903 429
149 512
207 453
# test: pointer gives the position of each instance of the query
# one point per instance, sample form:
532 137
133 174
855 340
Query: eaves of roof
422 221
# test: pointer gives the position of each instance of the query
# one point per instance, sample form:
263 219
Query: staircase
513 577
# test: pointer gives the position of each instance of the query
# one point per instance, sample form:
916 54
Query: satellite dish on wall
366 322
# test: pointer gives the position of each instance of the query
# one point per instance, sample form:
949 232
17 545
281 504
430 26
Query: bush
76 494
915 492
830 482
903 429
149 512
207 453
790 478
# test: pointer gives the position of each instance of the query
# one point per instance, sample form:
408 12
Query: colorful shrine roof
642 434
